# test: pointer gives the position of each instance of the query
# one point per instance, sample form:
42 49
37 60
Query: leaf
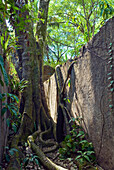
110 54
112 89
84 141
67 137
8 122
36 161
109 78
4 73
13 149
65 99
109 73
79 152
3 111
69 145
70 159
110 51
102 10
90 152
69 83
80 133
87 158
79 156
6 147
2 40
111 82
111 106
9 107
26 160
6 43
109 61
13 97
110 58
16 98
13 111
62 151
110 85
14 127
68 100
11 152
1 96
35 156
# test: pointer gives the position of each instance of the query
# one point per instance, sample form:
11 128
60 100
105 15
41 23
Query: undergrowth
76 146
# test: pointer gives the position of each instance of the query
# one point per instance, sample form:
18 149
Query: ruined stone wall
91 92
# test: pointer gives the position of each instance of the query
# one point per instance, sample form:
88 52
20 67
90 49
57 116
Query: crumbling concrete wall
91 92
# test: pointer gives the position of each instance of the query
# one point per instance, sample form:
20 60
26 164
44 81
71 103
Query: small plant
15 117
12 104
30 159
18 86
76 145
9 153
3 72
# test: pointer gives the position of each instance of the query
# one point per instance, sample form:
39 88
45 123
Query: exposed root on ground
44 139
46 162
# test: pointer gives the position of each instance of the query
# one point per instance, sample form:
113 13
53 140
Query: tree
73 23
33 106
31 42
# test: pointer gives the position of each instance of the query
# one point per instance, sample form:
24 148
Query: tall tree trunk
31 59
35 110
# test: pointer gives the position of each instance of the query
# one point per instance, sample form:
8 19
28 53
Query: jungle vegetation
34 33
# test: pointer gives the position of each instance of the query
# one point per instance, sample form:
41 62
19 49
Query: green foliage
15 117
69 83
18 86
110 76
71 24
9 152
76 144
30 158
4 41
106 8
3 72
66 99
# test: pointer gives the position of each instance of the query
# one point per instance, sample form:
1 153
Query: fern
3 72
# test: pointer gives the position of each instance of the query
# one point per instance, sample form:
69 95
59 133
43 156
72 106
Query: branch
63 53
59 42
53 52
92 8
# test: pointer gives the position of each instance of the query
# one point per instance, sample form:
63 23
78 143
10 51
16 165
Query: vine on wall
110 77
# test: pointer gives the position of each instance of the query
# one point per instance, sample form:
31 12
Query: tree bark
35 107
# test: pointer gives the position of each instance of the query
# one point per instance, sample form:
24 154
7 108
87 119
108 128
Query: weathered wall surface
89 94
